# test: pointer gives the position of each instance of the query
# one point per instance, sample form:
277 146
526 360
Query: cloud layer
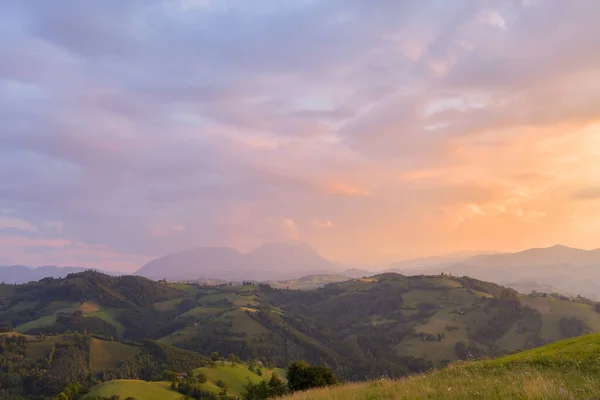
374 131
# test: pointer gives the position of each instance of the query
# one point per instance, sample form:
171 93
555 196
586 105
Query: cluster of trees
301 376
65 372
24 378
190 386
573 327
266 389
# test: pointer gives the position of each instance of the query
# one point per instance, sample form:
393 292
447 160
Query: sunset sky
373 130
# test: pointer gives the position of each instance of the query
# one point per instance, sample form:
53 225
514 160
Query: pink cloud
345 189
323 223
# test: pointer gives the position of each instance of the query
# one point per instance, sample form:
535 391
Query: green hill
389 324
386 325
41 367
235 377
308 282
569 369
141 390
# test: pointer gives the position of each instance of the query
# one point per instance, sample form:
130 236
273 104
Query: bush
274 387
302 376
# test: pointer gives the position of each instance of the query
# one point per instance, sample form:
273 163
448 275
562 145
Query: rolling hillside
135 389
40 367
18 274
564 370
567 269
389 324
233 377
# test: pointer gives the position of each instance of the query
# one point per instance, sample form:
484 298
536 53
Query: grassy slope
223 309
308 282
108 355
110 317
46 320
53 309
104 354
136 389
235 377
569 369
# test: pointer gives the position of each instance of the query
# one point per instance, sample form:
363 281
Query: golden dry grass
565 370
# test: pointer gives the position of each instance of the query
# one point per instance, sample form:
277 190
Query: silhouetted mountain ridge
565 268
22 274
270 261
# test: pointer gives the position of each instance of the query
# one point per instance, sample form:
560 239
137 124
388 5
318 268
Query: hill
40 367
272 261
98 303
308 282
233 376
17 274
134 388
527 287
564 370
389 324
566 269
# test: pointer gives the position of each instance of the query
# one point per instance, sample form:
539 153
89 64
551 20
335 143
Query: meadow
569 369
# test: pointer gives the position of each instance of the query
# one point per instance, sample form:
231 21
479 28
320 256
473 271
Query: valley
387 325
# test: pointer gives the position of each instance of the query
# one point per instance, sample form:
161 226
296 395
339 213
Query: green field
203 312
235 377
38 349
168 305
110 317
564 370
140 390
108 355
37 323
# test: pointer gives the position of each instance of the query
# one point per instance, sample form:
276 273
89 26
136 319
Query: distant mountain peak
275 260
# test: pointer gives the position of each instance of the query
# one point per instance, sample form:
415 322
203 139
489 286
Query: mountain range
558 268
270 261
567 269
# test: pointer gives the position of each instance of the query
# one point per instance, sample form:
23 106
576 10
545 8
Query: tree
201 377
214 356
302 376
277 387
233 359
572 327
263 390
169 376
221 384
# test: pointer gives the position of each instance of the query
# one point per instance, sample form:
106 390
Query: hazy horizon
375 132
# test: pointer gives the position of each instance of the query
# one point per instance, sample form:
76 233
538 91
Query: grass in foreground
565 370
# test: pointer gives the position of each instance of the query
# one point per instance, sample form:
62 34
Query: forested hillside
41 367
385 325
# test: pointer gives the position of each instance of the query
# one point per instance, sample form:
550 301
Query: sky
374 131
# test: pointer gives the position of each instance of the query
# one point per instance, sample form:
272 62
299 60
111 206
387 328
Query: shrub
302 376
